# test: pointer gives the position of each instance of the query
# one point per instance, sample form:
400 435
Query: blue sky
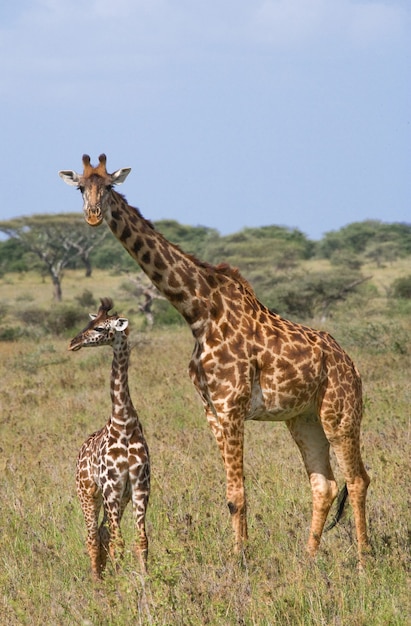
231 114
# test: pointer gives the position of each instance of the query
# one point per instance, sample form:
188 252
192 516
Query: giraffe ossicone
248 363
113 465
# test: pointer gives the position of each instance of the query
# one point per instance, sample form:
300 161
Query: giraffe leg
90 501
90 498
104 534
140 502
217 431
138 489
116 542
347 451
236 498
309 435
230 442
112 513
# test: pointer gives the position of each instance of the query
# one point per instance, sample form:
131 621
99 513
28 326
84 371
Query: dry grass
51 400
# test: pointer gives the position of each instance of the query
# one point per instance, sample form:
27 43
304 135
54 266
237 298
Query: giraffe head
95 185
102 330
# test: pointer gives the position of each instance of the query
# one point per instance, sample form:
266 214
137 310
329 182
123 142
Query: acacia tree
56 241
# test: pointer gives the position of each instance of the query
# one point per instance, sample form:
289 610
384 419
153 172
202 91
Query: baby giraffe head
102 330
95 185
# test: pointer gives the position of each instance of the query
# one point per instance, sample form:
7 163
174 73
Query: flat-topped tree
248 363
56 241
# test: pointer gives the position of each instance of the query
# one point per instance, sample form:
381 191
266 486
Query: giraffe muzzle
74 347
94 218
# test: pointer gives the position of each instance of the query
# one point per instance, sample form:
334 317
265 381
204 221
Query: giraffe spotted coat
113 465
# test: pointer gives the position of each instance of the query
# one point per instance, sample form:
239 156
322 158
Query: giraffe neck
181 278
123 411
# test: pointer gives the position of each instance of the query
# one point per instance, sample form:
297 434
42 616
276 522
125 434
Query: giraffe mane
234 272
225 269
149 223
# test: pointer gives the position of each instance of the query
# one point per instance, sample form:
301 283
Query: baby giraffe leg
104 532
91 507
112 501
90 501
116 542
140 495
142 541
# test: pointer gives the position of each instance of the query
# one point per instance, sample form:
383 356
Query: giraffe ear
121 324
70 177
120 176
92 316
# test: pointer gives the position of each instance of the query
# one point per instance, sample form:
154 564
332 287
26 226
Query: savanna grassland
52 399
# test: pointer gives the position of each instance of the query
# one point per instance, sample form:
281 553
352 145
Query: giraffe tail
341 500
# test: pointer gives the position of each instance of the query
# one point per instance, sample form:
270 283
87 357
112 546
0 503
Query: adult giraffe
248 363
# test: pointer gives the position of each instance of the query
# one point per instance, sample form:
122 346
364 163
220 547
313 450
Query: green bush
4 308
166 315
57 321
86 299
10 333
32 316
63 318
307 295
374 337
401 288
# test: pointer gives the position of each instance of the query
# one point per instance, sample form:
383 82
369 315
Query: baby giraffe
113 465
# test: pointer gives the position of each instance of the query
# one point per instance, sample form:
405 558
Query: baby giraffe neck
122 406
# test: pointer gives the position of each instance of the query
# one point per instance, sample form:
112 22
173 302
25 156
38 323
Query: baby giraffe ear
121 324
92 316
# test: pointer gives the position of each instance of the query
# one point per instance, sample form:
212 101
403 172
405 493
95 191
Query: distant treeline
272 258
250 249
